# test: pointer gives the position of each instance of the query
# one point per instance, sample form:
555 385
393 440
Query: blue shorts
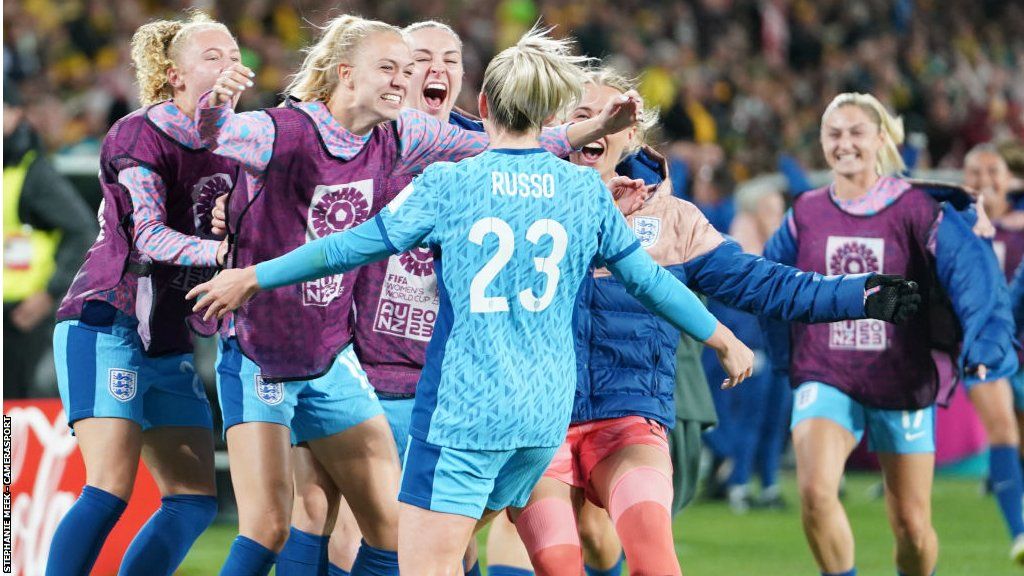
398 411
895 431
467 482
311 409
102 372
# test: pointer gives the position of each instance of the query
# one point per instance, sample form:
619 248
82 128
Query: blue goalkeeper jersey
513 234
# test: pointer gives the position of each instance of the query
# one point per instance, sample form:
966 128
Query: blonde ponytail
891 127
537 78
318 76
156 45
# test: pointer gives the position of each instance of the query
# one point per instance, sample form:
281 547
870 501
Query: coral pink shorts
588 444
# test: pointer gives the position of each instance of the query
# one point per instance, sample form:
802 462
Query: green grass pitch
711 541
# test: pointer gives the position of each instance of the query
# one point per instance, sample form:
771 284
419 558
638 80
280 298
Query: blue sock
303 554
162 543
1007 485
248 558
499 570
475 570
333 570
850 572
615 570
372 561
83 530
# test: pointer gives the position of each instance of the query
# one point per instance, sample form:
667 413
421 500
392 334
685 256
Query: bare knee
817 498
315 510
117 480
912 526
271 532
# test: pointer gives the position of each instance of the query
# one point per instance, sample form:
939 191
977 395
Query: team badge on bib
122 384
334 208
855 255
647 230
270 393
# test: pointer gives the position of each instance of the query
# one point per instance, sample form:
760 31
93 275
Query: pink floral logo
418 261
853 258
204 195
338 210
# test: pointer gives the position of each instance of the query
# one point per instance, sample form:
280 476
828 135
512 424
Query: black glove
891 298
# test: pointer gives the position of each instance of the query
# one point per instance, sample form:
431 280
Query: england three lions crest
647 230
122 384
270 393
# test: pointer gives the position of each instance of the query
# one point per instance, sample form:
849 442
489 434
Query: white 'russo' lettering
522 185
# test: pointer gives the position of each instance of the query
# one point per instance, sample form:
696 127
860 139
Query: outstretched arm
401 225
424 140
663 294
332 254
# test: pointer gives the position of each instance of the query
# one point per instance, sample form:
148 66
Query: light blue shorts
467 482
398 411
102 372
311 409
895 431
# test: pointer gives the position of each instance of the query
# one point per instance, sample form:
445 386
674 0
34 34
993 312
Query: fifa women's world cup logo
855 255
418 261
204 195
852 257
333 209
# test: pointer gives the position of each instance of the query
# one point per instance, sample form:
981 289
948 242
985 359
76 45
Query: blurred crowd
738 81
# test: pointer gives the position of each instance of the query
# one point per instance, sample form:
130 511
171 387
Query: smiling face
437 80
377 80
204 54
851 141
986 173
603 154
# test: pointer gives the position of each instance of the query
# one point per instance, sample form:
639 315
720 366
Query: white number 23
548 265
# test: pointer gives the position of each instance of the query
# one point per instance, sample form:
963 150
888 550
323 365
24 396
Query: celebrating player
488 417
122 348
986 173
616 452
320 164
858 376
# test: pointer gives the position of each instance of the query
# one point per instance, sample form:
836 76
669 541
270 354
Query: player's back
514 234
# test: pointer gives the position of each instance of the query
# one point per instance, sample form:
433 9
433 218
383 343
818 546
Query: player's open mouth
392 98
592 152
434 94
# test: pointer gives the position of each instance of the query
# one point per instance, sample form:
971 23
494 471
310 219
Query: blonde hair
155 48
425 24
537 78
891 127
607 76
318 76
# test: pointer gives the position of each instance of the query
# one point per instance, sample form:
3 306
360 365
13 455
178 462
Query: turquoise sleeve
661 293
333 254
